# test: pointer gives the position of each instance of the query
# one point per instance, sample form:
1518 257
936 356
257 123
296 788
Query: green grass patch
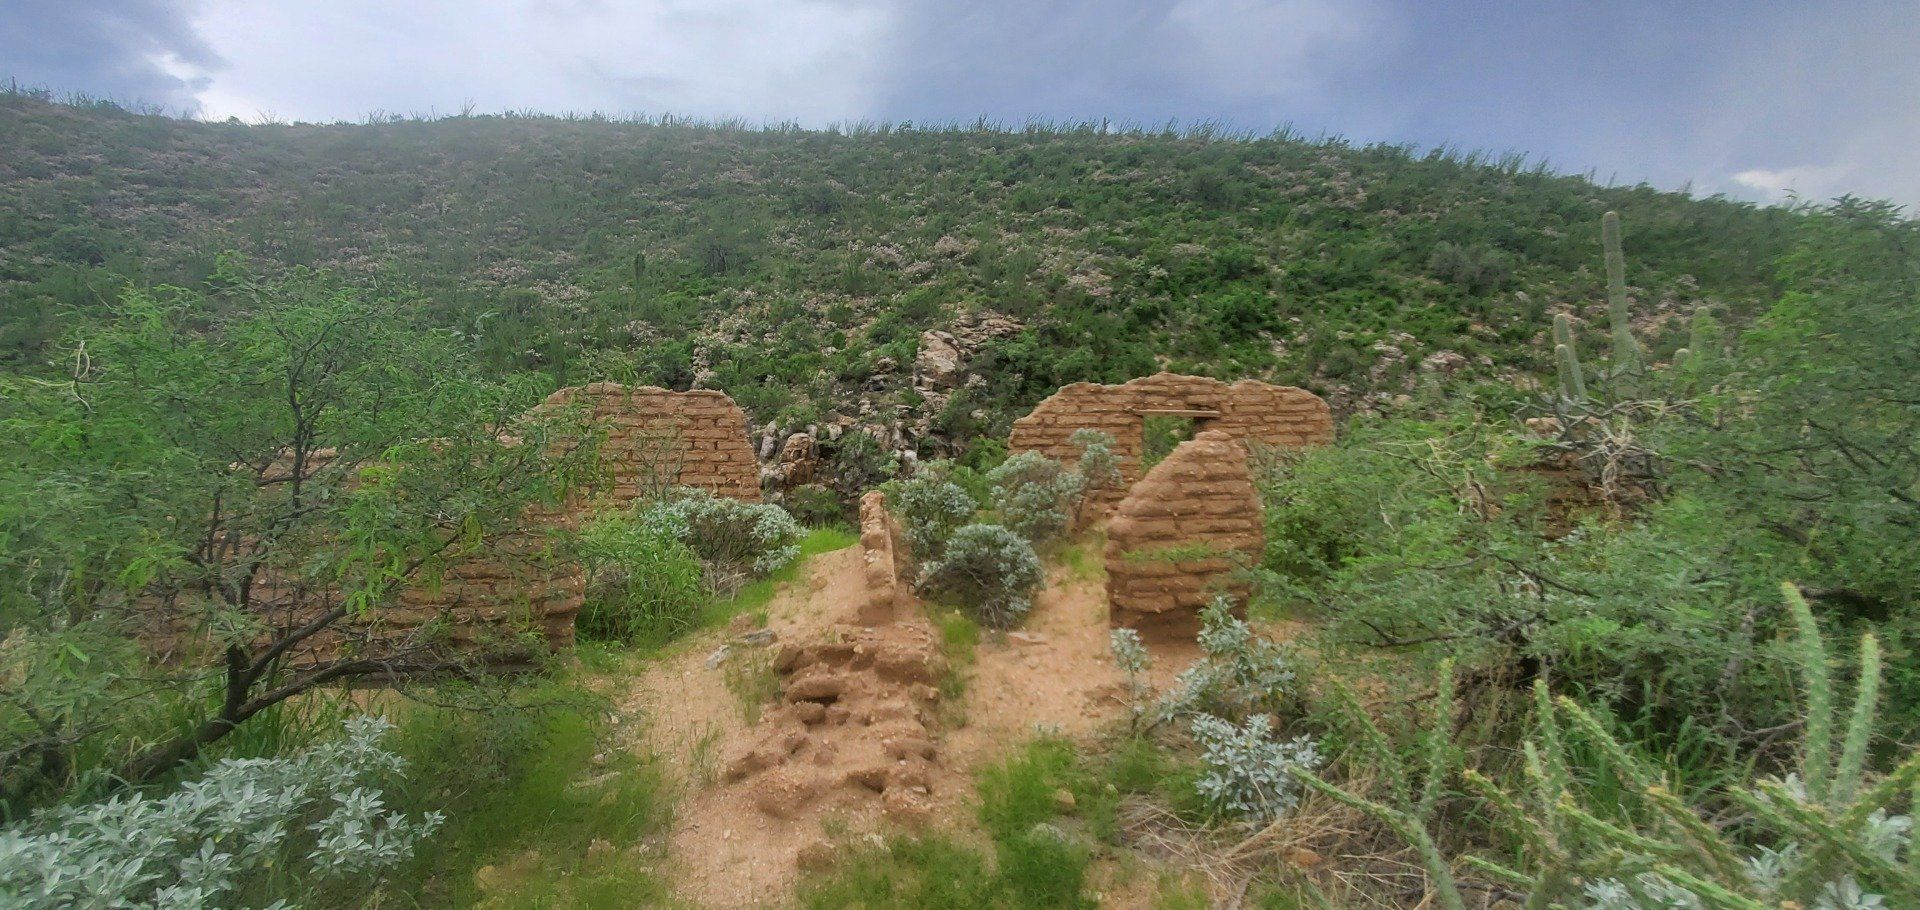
754 596
1084 559
1045 812
749 675
959 639
1191 552
533 818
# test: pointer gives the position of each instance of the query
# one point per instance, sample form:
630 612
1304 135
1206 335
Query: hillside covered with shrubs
797 269
1605 596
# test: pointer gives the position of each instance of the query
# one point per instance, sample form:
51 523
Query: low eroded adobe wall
1247 410
1176 537
658 437
514 593
884 551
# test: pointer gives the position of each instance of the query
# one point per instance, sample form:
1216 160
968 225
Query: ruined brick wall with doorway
1176 538
1247 410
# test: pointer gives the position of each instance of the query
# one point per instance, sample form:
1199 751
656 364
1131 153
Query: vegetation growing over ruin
1614 607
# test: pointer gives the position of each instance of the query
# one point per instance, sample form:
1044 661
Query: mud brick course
1249 411
1177 535
885 553
656 436
514 596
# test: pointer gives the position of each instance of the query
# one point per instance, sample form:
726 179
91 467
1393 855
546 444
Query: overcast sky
1756 99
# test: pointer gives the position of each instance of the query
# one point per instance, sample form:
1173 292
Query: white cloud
1807 181
810 60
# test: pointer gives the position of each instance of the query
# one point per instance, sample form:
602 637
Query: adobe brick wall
696 438
487 601
1175 537
885 554
1248 410
485 604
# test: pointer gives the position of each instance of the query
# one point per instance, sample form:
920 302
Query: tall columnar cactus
1626 351
1704 336
1573 388
1566 359
1562 329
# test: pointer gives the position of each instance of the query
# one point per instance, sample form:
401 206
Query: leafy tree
1814 439
249 484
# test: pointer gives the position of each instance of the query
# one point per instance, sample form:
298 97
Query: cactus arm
1831 840
1439 741
1637 774
1446 893
1816 758
1853 749
1706 838
1714 894
1572 386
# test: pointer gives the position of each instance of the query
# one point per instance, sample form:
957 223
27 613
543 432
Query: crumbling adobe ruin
657 438
884 553
1175 539
1248 410
487 601
1177 533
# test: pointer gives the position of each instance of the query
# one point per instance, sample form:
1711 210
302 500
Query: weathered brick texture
885 555
514 594
655 436
1177 535
1248 410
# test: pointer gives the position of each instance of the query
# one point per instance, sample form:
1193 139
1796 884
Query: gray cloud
1753 98
1142 61
143 51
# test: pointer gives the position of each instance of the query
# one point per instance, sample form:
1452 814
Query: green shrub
1034 495
929 509
308 820
643 586
1612 830
1239 673
753 538
988 571
814 505
528 776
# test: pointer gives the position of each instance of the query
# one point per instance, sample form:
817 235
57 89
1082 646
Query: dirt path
728 850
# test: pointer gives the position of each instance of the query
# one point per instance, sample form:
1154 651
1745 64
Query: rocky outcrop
798 464
1176 538
937 366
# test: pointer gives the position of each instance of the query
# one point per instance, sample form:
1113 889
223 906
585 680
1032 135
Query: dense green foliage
256 465
796 269
544 806
1621 703
644 586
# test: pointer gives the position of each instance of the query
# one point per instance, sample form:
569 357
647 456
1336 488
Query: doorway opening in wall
1161 434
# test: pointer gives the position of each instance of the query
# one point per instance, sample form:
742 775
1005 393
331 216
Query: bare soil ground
740 839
